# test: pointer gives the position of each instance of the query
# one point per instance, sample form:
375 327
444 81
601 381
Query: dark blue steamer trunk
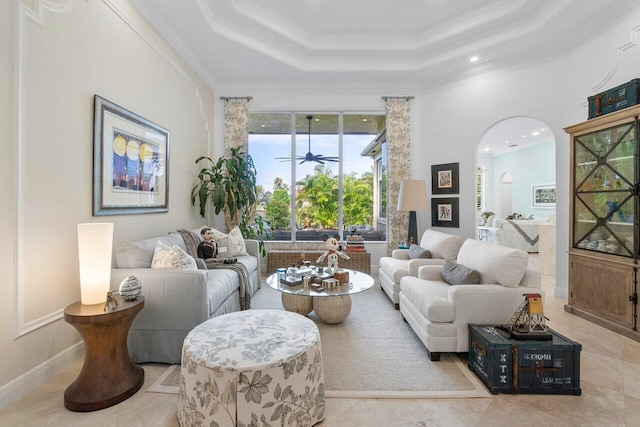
524 366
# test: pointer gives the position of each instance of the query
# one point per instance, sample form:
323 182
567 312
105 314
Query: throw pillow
416 251
457 274
172 257
236 240
224 248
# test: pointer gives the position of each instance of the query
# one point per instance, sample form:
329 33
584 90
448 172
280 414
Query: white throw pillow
172 257
238 248
496 264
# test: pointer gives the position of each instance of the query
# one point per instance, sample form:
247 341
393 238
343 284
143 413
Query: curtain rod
227 98
384 98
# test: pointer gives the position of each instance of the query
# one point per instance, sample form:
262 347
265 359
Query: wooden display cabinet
604 223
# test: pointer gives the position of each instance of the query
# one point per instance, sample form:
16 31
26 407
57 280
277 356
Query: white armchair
441 245
440 313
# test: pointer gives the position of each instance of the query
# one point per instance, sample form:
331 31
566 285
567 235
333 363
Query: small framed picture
445 212
444 179
543 196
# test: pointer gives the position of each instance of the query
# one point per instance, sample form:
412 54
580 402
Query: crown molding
372 41
620 51
402 53
35 9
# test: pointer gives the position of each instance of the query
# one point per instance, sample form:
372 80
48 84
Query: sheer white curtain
398 166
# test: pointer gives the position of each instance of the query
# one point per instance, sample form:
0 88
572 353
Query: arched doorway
515 156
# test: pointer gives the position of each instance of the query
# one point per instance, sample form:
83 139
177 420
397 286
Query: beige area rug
372 354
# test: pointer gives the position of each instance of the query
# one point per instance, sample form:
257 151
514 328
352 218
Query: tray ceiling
417 41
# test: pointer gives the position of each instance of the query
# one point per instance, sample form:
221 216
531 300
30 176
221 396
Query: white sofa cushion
138 254
439 310
235 239
496 264
429 297
441 245
172 257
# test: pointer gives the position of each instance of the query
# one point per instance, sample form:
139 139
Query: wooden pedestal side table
108 375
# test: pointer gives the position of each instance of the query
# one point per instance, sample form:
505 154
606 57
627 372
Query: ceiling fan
310 157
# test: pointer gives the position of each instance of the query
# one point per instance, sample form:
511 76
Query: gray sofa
176 300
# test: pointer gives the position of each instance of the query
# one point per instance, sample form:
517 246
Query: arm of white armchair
430 272
400 254
415 264
486 304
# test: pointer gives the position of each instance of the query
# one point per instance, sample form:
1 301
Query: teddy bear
331 254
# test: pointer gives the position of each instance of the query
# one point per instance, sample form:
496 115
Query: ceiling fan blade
302 162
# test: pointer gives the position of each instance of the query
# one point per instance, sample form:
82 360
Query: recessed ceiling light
487 149
365 120
524 136
542 130
262 126
535 133
317 120
474 59
507 141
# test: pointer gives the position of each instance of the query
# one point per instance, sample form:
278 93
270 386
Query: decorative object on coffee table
332 305
331 254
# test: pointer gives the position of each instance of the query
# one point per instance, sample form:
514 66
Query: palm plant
229 186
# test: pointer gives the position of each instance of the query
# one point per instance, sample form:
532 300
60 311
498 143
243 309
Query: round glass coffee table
331 305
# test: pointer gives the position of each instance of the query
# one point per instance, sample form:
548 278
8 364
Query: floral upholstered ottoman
252 367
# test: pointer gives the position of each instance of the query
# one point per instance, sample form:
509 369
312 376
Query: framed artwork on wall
445 212
543 196
130 162
444 179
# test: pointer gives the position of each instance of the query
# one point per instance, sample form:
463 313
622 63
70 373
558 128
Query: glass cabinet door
605 199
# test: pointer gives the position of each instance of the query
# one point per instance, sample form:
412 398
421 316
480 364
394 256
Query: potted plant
229 186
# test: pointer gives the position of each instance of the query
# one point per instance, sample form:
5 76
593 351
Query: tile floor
610 382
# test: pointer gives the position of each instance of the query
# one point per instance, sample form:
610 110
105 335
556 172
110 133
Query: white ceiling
422 42
428 42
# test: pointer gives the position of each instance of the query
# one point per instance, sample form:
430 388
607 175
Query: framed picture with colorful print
445 212
444 179
130 162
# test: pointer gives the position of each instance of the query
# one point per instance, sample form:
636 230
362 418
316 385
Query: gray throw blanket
523 234
191 242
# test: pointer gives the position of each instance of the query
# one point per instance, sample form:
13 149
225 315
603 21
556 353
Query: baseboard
37 376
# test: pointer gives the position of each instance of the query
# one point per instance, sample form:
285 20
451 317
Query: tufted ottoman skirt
252 368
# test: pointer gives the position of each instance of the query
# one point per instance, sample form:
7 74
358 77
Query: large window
328 187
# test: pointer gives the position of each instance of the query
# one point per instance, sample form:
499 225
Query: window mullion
340 176
293 177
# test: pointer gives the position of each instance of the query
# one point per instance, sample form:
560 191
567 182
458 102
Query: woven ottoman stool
252 367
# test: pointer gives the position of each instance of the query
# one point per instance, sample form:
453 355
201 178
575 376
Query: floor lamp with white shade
412 198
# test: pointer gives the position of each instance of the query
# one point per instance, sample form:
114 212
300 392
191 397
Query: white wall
528 166
53 62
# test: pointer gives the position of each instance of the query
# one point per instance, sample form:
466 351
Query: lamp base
413 227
